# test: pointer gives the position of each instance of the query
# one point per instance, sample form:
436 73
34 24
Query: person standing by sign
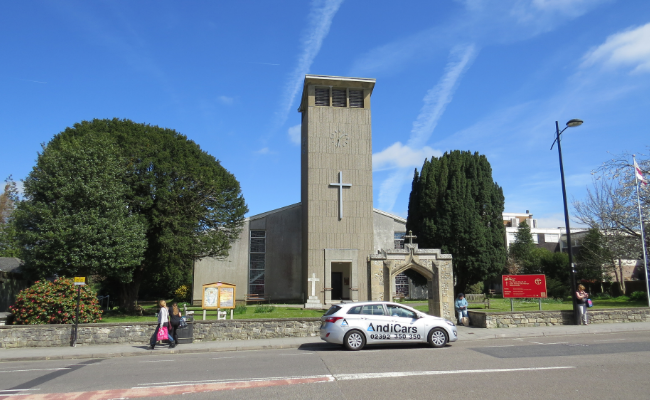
163 321
461 307
174 322
582 297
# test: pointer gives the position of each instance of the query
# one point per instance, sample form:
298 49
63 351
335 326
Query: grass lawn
278 312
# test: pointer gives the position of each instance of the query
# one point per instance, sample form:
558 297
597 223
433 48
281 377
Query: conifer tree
457 207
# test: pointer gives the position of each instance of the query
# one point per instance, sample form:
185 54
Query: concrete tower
336 188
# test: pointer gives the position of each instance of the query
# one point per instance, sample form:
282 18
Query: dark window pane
332 310
256 289
356 98
339 98
323 97
355 310
258 245
255 234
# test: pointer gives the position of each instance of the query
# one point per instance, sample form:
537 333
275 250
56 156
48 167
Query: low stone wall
13 336
520 319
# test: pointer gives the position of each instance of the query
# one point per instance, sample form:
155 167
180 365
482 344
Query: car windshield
332 310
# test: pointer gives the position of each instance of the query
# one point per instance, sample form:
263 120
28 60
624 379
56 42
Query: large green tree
457 207
8 201
189 205
520 251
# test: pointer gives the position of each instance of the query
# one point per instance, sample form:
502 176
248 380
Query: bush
264 308
638 296
240 308
476 288
55 302
603 296
182 294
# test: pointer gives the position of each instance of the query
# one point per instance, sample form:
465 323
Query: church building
333 245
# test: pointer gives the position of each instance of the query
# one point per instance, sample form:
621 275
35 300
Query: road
596 366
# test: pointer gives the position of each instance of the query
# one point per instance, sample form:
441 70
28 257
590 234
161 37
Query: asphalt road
596 366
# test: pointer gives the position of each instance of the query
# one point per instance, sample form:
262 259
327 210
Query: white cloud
225 100
264 150
320 20
630 48
400 156
294 134
436 99
403 158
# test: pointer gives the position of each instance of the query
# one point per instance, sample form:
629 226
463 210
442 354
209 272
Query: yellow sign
79 280
218 295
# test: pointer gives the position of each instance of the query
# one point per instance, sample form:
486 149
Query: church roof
264 214
393 216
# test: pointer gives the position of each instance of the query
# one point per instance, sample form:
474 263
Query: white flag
639 173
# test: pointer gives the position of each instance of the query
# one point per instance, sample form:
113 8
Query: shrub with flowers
55 302
182 293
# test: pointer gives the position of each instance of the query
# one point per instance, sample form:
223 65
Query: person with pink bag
162 330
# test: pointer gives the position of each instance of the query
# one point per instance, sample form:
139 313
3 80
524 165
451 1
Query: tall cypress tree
457 207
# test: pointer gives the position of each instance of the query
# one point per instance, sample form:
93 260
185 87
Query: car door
376 323
406 325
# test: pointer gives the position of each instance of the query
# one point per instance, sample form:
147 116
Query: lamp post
572 123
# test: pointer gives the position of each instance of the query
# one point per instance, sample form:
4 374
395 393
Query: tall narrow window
339 99
356 98
257 263
323 96
399 240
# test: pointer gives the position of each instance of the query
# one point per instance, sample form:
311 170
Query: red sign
524 286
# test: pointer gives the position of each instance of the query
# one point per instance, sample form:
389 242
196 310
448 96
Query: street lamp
572 123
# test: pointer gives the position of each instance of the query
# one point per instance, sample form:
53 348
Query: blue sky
478 75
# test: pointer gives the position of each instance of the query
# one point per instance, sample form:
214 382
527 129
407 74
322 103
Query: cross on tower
341 185
410 237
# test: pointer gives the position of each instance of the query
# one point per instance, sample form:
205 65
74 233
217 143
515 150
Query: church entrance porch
395 271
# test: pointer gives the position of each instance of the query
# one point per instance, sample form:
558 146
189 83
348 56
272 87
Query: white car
356 324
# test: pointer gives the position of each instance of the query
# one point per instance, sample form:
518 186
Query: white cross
341 185
313 281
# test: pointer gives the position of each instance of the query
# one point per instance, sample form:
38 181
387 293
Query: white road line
347 377
35 369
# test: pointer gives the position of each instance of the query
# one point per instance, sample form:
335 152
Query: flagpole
638 203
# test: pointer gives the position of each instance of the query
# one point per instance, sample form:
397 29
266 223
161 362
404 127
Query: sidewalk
131 350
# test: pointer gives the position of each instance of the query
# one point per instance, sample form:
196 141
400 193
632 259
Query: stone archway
429 263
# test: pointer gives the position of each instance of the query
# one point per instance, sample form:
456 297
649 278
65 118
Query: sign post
79 281
524 286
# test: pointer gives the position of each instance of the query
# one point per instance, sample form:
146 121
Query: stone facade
549 318
336 145
14 336
430 263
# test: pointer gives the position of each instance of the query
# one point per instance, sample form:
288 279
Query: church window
356 98
323 96
339 98
399 240
402 284
257 262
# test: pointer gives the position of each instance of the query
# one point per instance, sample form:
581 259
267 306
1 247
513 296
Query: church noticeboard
218 295
524 286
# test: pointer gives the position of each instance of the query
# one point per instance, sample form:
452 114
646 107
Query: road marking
213 386
35 369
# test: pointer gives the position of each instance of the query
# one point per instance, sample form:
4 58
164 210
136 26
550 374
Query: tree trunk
129 291
618 271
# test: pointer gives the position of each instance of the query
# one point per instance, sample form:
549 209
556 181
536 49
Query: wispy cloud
226 100
630 48
264 150
320 19
404 158
294 134
399 156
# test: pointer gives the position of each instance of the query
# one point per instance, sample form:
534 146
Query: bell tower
336 188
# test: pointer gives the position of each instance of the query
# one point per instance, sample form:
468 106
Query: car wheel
354 340
437 337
